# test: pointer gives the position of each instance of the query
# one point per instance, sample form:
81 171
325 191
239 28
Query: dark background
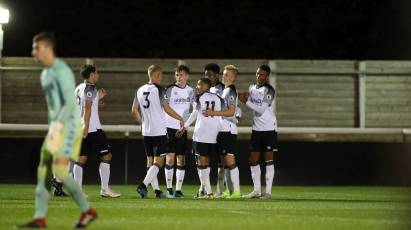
297 163
303 29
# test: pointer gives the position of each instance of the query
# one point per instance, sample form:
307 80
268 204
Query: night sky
311 29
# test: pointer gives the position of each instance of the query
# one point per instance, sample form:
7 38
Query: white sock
104 170
169 174
220 180
57 179
180 177
151 174
154 184
269 177
256 176
205 177
227 180
235 179
78 174
201 182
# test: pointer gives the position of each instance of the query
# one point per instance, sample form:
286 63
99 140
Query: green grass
291 208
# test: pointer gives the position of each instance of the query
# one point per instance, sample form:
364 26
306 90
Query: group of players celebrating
75 131
164 114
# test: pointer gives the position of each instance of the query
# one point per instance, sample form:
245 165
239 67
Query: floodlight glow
4 15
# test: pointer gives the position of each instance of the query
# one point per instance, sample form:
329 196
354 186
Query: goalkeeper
63 140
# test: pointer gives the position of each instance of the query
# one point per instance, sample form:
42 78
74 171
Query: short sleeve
90 92
269 95
135 101
231 97
167 94
162 95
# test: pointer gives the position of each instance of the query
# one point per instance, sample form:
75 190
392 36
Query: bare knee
181 160
254 158
229 160
170 159
159 161
106 157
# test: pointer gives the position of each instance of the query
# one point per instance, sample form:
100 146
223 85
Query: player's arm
226 113
135 111
87 115
173 113
268 99
258 109
101 94
54 136
66 84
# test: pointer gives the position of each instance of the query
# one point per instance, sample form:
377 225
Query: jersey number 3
147 105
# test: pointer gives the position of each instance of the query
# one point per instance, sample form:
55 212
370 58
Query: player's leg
70 150
220 171
230 162
254 162
203 151
220 177
180 148
269 174
104 170
234 174
180 173
85 151
169 173
42 191
271 144
157 147
170 161
78 169
101 148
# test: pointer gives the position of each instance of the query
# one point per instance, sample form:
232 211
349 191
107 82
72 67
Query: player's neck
49 62
181 85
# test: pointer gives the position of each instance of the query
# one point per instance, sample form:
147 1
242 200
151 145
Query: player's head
155 74
182 73
262 74
230 74
212 72
89 73
203 85
44 48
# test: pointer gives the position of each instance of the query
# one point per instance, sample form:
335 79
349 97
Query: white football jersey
229 124
150 99
218 89
262 102
206 128
88 92
179 100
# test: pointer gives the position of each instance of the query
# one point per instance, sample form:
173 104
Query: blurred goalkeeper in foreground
63 139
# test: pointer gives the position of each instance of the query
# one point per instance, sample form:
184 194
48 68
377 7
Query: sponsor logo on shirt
182 100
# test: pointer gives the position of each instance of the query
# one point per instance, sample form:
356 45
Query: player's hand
181 123
208 112
243 97
101 93
54 138
85 131
180 132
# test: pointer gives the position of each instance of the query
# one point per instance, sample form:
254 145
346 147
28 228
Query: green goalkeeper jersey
58 85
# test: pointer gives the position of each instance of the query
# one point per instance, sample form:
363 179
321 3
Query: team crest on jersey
175 93
89 94
269 97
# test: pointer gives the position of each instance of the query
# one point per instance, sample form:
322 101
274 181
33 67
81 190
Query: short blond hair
232 68
152 69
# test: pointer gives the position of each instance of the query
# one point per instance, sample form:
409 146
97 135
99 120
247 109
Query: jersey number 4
147 105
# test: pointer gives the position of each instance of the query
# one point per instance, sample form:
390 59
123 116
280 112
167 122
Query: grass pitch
291 208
